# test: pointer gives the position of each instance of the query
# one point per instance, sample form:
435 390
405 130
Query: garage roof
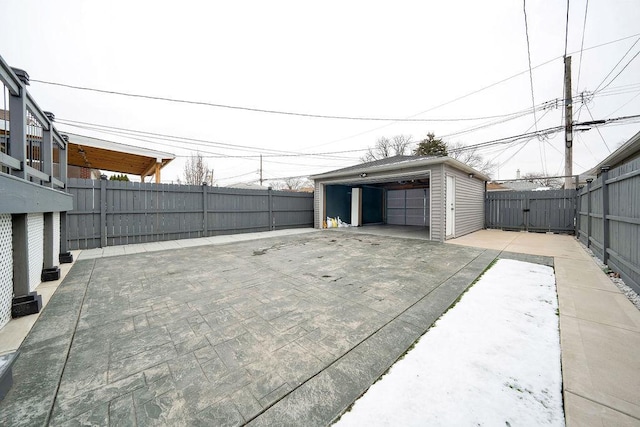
112 156
396 167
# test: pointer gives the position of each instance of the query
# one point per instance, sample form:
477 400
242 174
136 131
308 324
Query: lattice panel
6 269
56 237
35 227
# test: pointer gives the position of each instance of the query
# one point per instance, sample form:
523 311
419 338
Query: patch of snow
493 359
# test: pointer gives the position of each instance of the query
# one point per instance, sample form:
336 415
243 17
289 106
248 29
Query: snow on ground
492 360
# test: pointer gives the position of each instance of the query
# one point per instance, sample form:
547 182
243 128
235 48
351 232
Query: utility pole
568 126
260 169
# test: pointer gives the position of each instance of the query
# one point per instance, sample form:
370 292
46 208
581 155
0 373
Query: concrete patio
290 327
286 330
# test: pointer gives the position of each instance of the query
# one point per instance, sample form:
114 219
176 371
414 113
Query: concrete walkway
282 330
599 329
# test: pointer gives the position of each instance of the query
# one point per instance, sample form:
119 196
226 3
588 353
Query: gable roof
398 163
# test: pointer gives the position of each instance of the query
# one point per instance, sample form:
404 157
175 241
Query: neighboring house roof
113 156
626 152
398 163
521 185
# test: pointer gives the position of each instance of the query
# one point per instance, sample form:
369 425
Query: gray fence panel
551 210
143 212
543 211
233 210
291 210
615 235
504 210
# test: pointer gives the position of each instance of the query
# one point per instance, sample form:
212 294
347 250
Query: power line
127 132
260 110
477 91
599 133
524 142
623 105
319 115
620 72
548 131
615 66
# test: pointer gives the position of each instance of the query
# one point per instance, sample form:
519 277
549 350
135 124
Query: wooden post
605 213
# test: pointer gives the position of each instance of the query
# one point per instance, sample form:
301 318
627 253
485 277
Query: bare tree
277 185
291 184
542 180
196 171
470 157
385 147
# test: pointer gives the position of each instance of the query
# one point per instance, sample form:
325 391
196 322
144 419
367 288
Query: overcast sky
396 59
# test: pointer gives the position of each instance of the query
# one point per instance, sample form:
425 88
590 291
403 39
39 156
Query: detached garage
441 194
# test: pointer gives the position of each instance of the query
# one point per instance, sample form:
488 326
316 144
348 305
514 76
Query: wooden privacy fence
108 213
542 211
609 220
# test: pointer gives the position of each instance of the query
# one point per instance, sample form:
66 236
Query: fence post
272 220
486 206
589 181
103 211
205 213
605 213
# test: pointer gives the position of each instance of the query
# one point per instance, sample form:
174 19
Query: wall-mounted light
363 175
470 175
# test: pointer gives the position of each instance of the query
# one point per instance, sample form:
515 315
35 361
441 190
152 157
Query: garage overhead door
408 207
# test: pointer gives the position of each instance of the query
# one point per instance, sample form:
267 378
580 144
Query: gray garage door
408 207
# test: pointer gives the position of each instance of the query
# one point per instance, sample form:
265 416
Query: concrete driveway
287 330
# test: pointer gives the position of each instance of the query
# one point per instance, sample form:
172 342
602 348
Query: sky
391 60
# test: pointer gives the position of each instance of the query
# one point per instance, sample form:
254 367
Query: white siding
56 237
318 195
469 202
437 203
35 229
6 269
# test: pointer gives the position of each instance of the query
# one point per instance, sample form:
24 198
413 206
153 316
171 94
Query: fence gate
542 211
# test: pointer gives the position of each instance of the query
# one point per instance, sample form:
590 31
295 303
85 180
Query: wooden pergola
85 151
